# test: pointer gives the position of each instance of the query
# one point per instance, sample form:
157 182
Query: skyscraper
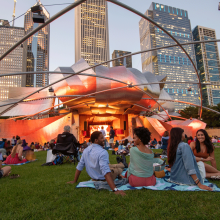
12 63
207 58
126 61
171 61
91 32
36 51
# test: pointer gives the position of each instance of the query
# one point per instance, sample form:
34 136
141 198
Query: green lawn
42 193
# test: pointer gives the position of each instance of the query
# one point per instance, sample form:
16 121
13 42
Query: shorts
111 141
1 174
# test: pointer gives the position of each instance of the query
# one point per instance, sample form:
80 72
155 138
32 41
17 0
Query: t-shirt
103 132
112 134
1 158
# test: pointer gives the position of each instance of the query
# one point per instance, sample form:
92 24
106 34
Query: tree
212 119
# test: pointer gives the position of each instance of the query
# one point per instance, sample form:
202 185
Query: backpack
58 160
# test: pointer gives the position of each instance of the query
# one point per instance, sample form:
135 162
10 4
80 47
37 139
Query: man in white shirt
104 134
103 131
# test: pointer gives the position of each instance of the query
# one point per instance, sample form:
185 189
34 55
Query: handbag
159 170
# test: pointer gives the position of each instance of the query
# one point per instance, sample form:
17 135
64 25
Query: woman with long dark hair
203 150
184 168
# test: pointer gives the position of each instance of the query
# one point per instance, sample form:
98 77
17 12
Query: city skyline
207 57
36 51
13 62
126 61
91 32
171 62
123 40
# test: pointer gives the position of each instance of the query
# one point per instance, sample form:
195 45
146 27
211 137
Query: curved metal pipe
62 12
79 73
157 25
188 103
127 55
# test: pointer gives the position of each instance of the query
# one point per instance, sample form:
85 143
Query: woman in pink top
16 155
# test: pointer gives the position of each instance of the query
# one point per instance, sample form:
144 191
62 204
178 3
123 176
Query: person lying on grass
184 168
203 150
96 160
5 170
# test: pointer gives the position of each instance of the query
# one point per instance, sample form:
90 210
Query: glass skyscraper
36 51
207 58
91 32
126 61
12 63
171 61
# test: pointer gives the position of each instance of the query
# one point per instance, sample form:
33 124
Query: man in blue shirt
96 160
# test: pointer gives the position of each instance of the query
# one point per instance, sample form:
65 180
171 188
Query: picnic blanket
162 184
18 164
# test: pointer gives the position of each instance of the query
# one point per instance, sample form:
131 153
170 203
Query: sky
123 25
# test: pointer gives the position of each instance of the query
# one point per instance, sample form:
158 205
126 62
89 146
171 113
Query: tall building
171 61
126 61
36 51
207 58
91 32
12 63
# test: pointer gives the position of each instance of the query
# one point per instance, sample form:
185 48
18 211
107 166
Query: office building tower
91 32
207 58
12 63
170 61
126 61
36 51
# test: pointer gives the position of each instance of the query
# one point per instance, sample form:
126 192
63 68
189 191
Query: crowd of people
187 156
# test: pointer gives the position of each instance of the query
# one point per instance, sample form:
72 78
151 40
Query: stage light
130 85
38 18
36 9
51 89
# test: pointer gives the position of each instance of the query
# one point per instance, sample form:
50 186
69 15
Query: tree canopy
212 119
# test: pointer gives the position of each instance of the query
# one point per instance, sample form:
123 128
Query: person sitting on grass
4 171
184 168
140 171
16 155
158 145
96 160
203 150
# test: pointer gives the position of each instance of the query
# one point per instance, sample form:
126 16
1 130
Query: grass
41 192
